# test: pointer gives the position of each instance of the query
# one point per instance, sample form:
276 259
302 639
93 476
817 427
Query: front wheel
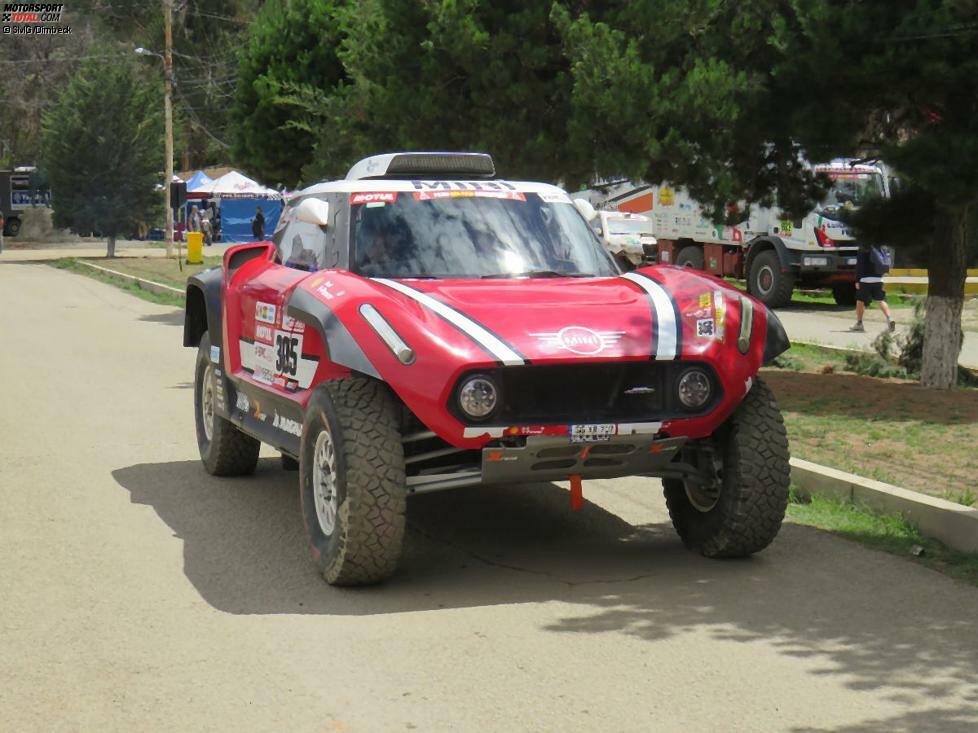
768 282
224 450
351 475
737 505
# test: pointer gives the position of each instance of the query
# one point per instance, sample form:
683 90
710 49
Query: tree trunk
947 270
111 251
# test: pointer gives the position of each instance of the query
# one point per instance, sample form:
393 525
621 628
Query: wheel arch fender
203 307
340 345
767 244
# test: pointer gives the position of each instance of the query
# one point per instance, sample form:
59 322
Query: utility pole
168 115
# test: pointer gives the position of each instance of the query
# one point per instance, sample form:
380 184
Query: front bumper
817 262
552 458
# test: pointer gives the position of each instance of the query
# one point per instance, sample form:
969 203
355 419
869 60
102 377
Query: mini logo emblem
579 340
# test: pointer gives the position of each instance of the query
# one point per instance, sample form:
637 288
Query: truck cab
627 237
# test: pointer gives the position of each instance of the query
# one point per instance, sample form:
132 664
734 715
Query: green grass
889 533
71 264
811 358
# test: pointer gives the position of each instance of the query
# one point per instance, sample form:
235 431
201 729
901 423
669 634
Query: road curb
953 524
142 282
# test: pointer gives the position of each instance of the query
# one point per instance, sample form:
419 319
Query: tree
290 43
101 148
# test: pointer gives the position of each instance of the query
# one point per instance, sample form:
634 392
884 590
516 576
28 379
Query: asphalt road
137 593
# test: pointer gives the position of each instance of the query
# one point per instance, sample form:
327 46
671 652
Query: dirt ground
887 429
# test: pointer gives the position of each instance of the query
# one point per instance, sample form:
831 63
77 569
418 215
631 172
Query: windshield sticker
371 197
433 195
555 198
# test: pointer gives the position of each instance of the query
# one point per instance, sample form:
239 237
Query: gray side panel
342 347
209 283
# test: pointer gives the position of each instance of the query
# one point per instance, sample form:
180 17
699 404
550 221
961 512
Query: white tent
235 185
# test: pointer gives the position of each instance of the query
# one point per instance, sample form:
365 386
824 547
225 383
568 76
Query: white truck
773 253
627 237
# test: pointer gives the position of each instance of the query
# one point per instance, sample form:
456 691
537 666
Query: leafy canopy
102 149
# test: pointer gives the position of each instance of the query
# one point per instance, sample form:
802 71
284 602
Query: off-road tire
365 543
690 256
289 463
228 452
755 478
844 294
782 283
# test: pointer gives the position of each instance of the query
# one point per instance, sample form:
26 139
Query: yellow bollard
195 248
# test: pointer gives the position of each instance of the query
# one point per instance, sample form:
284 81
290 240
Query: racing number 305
287 361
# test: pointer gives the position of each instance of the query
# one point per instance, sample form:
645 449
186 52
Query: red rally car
423 325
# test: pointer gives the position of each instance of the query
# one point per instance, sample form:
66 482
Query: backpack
880 259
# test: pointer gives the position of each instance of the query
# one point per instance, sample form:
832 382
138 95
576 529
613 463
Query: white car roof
381 184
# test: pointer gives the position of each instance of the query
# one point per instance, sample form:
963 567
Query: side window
300 245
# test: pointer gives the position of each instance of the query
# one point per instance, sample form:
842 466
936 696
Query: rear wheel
844 294
351 474
224 450
767 282
737 506
11 228
690 256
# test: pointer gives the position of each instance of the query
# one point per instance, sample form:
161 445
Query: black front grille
624 391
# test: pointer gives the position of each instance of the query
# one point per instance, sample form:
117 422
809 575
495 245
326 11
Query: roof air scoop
424 165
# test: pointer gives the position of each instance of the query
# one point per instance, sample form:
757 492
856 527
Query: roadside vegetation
886 428
889 533
157 269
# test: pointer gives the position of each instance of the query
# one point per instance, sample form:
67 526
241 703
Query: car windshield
629 226
853 189
472 234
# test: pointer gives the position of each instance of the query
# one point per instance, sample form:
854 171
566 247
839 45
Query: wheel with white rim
224 450
351 476
735 505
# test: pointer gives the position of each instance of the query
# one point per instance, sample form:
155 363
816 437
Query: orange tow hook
576 493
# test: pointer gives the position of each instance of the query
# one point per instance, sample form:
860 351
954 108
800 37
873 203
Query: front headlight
478 397
694 389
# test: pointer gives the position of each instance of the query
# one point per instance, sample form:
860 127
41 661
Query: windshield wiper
536 273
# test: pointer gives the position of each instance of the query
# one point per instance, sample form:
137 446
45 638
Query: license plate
850 260
591 433
820 261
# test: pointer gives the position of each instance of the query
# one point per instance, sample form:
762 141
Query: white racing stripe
477 333
667 339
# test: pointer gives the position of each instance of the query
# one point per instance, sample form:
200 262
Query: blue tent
198 180
237 215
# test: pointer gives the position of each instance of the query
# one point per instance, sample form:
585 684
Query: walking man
258 224
872 263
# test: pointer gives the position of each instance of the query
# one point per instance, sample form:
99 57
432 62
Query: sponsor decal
705 328
667 197
216 354
257 413
265 312
720 313
579 340
287 425
242 402
324 290
433 195
706 300
291 324
264 363
263 333
373 197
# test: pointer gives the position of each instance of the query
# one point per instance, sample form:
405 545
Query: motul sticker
432 195
373 197
263 334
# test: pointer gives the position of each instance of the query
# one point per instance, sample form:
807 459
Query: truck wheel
844 294
351 476
690 256
739 511
224 450
768 283
11 228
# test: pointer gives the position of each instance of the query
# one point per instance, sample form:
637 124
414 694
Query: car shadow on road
875 621
170 318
